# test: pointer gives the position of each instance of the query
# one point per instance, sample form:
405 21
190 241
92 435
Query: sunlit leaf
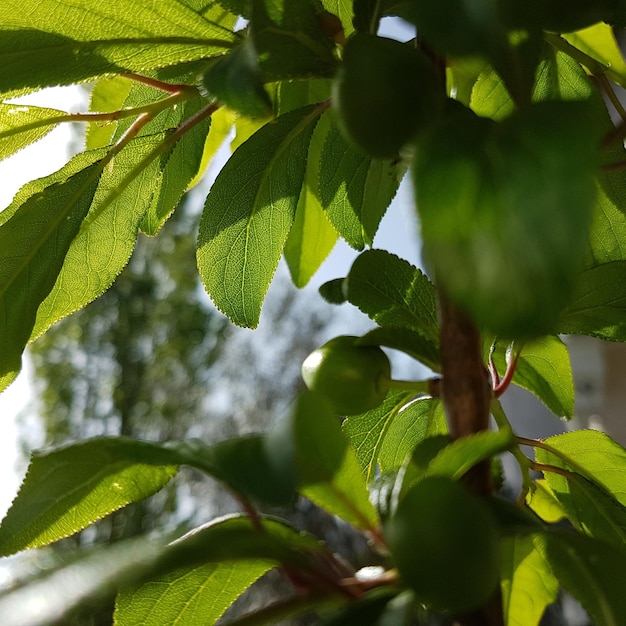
592 454
67 489
367 432
40 226
312 237
417 421
544 369
249 212
21 125
528 585
355 189
194 596
54 42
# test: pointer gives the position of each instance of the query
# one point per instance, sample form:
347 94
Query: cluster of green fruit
443 540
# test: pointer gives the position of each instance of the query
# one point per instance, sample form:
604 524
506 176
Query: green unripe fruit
384 92
444 542
353 378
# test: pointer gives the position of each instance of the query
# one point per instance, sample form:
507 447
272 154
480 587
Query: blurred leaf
544 369
289 39
101 572
241 464
422 418
40 226
493 232
308 447
355 189
528 585
67 489
60 42
597 304
365 611
236 81
591 571
193 596
367 431
558 77
21 125
312 236
462 454
243 228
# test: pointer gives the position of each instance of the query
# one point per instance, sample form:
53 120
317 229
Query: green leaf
608 229
244 227
417 421
528 585
558 77
178 167
289 39
54 42
355 189
21 125
462 454
241 464
597 304
194 596
343 10
411 342
505 216
367 432
591 571
102 572
236 81
599 42
594 504
312 237
108 94
591 509
393 293
592 454
308 446
544 369
39 229
107 236
67 489
543 502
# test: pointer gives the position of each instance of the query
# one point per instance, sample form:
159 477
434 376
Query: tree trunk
466 393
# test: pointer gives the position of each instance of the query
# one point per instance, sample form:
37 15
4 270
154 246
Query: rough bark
466 394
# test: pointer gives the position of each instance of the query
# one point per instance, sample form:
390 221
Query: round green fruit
384 92
444 543
353 378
